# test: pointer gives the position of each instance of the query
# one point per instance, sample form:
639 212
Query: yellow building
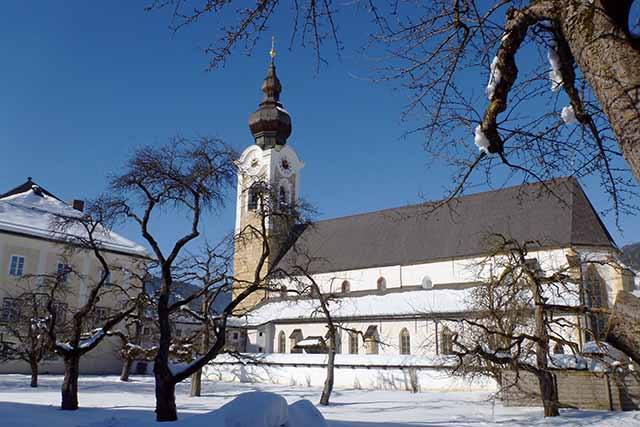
29 248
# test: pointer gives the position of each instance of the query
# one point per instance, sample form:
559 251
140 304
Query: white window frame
18 268
64 271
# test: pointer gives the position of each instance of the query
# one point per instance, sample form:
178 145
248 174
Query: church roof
556 213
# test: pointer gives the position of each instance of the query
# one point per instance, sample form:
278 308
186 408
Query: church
397 277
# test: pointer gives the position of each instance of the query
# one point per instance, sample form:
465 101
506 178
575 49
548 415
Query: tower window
252 198
283 200
381 284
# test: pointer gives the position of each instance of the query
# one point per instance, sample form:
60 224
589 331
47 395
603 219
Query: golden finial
272 52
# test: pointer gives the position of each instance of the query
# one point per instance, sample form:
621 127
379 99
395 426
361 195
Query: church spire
270 124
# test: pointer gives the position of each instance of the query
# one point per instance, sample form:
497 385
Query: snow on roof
390 304
310 342
405 303
32 213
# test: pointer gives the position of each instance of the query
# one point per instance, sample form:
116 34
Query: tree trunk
328 382
610 62
165 393
549 393
548 389
196 384
70 383
126 369
165 385
34 373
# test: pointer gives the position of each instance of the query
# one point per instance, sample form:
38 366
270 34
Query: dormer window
345 287
426 283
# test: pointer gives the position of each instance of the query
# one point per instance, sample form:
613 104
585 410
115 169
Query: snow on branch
568 115
481 140
555 75
494 78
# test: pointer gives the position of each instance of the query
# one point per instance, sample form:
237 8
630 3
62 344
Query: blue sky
82 85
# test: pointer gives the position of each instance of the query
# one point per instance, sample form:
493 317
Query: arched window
371 339
295 338
446 341
253 197
345 287
405 341
283 291
595 296
338 337
381 284
282 342
283 199
353 343
426 283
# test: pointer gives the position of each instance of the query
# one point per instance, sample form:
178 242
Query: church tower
268 163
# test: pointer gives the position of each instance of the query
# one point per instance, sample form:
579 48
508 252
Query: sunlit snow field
107 402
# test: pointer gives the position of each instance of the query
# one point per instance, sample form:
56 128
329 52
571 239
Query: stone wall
577 389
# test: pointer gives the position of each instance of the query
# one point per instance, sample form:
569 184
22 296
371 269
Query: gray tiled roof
411 234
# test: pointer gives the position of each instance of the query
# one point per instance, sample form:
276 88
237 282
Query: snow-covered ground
106 402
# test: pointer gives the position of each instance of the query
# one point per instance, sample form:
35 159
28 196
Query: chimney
78 205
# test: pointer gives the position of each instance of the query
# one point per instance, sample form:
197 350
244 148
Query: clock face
253 165
285 167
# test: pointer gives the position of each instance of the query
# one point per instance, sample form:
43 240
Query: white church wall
309 371
447 272
422 335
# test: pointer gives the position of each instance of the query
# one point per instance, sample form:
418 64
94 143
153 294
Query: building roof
32 211
555 213
396 303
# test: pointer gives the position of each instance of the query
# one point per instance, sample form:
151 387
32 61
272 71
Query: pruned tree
562 76
131 335
84 326
300 278
191 178
520 314
26 327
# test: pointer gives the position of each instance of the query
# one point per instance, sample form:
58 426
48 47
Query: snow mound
260 409
304 414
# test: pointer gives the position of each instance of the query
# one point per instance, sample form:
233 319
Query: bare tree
26 326
84 327
190 178
305 285
520 313
584 55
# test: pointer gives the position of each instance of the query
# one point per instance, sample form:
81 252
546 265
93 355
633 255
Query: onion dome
270 124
